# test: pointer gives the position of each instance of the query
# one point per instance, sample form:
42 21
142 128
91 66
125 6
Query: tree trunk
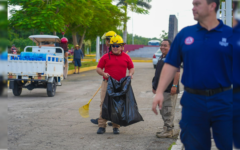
83 49
74 37
81 39
54 33
90 50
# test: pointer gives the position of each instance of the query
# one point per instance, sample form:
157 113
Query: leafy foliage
79 19
22 43
137 6
163 35
38 14
4 42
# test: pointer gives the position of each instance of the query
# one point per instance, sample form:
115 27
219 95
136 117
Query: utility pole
132 30
97 48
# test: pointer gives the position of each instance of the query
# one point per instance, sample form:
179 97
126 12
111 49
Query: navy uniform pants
236 120
200 114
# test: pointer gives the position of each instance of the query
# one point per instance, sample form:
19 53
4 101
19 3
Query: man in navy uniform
235 42
207 77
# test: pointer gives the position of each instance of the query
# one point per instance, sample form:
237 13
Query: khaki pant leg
116 125
102 122
174 102
168 110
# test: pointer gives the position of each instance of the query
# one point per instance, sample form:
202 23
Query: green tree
22 43
4 42
163 35
137 6
79 19
38 14
138 40
88 22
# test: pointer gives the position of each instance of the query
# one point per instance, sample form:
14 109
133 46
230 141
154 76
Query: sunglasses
117 46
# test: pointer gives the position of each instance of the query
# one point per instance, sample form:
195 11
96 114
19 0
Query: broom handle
96 92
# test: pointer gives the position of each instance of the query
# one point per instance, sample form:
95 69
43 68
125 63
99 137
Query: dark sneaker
116 131
94 121
101 130
109 123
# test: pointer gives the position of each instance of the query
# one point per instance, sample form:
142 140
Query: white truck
40 68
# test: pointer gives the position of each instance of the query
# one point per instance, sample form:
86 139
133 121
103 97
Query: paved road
146 52
37 122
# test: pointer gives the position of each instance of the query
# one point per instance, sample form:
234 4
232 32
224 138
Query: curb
143 61
83 69
179 145
91 55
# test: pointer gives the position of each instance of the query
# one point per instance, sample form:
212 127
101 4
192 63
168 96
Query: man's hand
106 75
158 100
154 91
131 76
173 90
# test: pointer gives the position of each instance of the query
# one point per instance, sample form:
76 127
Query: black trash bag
119 105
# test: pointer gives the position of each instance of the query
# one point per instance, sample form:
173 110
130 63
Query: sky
151 25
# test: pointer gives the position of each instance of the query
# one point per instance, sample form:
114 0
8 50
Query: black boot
115 131
94 121
101 130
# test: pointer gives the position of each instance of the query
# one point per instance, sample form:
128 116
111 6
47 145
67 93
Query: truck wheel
51 88
17 89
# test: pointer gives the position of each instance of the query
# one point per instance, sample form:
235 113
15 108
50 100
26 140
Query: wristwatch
174 85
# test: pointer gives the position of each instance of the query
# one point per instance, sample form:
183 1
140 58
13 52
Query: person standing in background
77 55
107 37
170 94
114 64
14 49
64 45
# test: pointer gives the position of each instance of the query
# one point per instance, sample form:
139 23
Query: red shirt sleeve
130 63
102 62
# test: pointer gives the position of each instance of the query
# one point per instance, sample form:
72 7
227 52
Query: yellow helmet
117 40
109 34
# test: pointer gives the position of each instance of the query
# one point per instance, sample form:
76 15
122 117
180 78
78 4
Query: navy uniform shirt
235 42
206 56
